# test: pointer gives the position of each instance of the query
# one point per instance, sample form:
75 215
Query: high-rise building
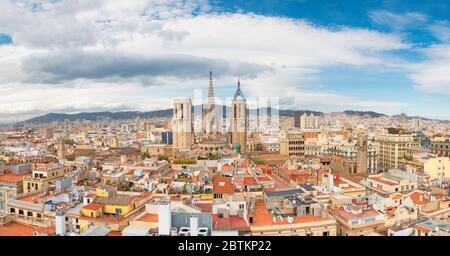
239 121
306 121
393 146
182 124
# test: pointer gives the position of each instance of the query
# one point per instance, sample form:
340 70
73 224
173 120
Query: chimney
60 223
194 225
164 218
331 182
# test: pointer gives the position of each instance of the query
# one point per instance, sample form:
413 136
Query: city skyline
89 56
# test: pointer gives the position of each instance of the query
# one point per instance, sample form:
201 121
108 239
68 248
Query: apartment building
393 146
293 144
358 219
440 146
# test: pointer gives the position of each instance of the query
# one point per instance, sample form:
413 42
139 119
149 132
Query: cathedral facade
213 141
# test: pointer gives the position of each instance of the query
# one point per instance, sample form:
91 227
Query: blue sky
380 84
94 55
5 39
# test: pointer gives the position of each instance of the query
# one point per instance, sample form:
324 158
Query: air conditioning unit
184 231
202 231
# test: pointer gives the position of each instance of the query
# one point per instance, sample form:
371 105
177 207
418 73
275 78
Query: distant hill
93 116
364 113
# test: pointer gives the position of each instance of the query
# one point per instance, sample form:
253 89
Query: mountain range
93 116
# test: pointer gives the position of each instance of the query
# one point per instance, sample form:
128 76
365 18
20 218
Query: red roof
114 233
230 223
425 230
350 216
149 217
264 178
250 181
18 229
223 185
262 217
204 207
381 180
93 206
12 178
418 198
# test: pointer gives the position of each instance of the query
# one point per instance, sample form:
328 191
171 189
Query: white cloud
396 21
295 50
441 30
432 75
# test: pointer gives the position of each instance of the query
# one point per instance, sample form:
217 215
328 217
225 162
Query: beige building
435 167
42 177
388 183
306 121
293 144
392 147
358 219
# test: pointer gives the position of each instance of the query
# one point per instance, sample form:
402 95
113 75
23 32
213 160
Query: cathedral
213 141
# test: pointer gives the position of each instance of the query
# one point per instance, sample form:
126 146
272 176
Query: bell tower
362 145
182 125
238 124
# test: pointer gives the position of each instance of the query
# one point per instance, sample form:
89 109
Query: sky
70 56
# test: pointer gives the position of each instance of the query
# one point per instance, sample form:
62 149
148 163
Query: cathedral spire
238 91
210 87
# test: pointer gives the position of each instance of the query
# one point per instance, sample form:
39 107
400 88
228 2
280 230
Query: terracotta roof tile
223 185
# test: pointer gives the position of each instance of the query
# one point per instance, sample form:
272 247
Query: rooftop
262 217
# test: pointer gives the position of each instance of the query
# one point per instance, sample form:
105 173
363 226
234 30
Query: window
30 214
326 233
241 206
21 212
12 210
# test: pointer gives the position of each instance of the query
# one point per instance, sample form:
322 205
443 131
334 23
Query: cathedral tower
239 121
182 125
210 117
